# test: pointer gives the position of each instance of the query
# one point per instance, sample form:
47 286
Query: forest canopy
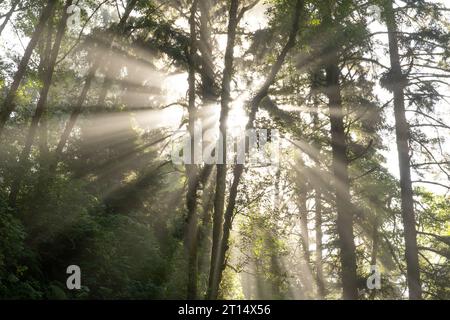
238 149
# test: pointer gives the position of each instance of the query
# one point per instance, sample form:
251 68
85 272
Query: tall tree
317 184
254 105
219 198
340 162
398 81
192 167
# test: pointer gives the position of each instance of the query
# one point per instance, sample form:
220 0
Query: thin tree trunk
219 197
204 229
317 190
271 237
42 126
305 263
43 138
43 143
192 232
192 168
403 135
223 248
375 240
8 15
49 67
8 105
303 215
319 244
254 105
373 256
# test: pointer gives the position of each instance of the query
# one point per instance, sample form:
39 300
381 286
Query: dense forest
344 102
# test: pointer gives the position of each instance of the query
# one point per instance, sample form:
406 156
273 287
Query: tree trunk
319 244
49 67
43 136
303 216
344 208
341 180
8 105
204 246
271 237
223 249
317 184
219 197
254 105
375 240
192 171
403 135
